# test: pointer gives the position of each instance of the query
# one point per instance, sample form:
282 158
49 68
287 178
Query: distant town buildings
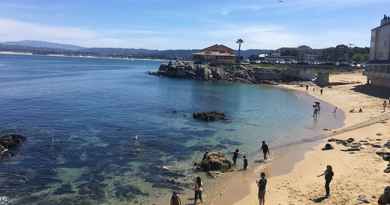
378 69
215 55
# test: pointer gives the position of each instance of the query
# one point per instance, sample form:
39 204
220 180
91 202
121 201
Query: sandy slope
356 173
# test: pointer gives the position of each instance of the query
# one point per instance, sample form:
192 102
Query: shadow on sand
371 90
319 199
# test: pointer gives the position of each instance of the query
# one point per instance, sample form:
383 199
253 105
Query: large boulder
209 116
215 161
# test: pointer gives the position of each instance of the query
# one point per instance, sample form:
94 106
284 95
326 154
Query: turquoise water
81 117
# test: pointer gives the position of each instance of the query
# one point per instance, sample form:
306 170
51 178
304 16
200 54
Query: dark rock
215 161
384 199
376 146
327 147
387 144
350 140
387 170
11 140
209 116
351 150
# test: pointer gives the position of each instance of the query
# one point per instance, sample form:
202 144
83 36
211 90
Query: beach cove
359 176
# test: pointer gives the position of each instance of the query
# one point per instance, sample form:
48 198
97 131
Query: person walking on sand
384 105
262 184
321 91
265 149
245 163
328 173
175 199
307 87
235 156
198 188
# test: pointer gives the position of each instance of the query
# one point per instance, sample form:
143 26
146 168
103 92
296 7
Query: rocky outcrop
11 140
232 73
209 116
215 161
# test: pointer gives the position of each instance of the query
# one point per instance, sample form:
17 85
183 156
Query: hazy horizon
174 24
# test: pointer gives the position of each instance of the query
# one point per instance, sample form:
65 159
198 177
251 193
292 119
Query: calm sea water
81 117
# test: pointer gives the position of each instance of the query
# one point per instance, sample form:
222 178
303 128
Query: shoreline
283 189
224 190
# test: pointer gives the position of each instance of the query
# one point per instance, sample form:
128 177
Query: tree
239 42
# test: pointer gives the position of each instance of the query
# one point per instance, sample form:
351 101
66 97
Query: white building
378 69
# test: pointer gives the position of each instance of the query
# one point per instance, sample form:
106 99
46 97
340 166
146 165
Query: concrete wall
380 43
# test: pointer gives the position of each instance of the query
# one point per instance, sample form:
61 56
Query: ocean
103 131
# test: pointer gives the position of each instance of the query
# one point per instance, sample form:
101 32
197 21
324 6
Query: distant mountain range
43 44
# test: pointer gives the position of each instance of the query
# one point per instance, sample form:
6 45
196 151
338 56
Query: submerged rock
215 161
209 116
11 141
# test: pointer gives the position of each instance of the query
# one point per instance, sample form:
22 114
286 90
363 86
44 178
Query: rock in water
215 161
11 140
209 116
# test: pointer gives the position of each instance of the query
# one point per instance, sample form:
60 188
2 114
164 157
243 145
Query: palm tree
239 42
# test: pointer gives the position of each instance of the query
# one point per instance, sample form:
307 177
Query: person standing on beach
384 105
175 200
235 156
265 149
245 163
198 188
321 91
328 173
307 87
262 184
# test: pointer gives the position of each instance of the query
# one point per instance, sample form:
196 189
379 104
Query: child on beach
262 184
175 200
328 173
245 163
198 188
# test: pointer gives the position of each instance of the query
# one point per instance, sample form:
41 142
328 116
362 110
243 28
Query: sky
185 24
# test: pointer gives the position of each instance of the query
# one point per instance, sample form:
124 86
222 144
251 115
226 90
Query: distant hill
43 44
340 53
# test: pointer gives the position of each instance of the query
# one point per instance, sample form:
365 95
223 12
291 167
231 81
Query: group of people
314 89
198 185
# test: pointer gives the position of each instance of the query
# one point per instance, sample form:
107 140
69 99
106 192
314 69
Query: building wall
212 59
380 43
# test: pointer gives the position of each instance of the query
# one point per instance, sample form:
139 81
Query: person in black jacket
328 173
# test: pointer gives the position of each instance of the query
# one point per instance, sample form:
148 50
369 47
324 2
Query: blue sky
183 24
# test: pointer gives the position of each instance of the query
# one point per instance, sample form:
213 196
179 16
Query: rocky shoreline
230 73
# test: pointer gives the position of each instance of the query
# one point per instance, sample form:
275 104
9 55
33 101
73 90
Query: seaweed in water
127 192
64 189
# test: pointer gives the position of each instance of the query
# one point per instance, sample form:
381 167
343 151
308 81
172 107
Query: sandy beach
359 175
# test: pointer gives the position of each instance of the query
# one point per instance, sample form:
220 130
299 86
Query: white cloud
255 36
273 37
